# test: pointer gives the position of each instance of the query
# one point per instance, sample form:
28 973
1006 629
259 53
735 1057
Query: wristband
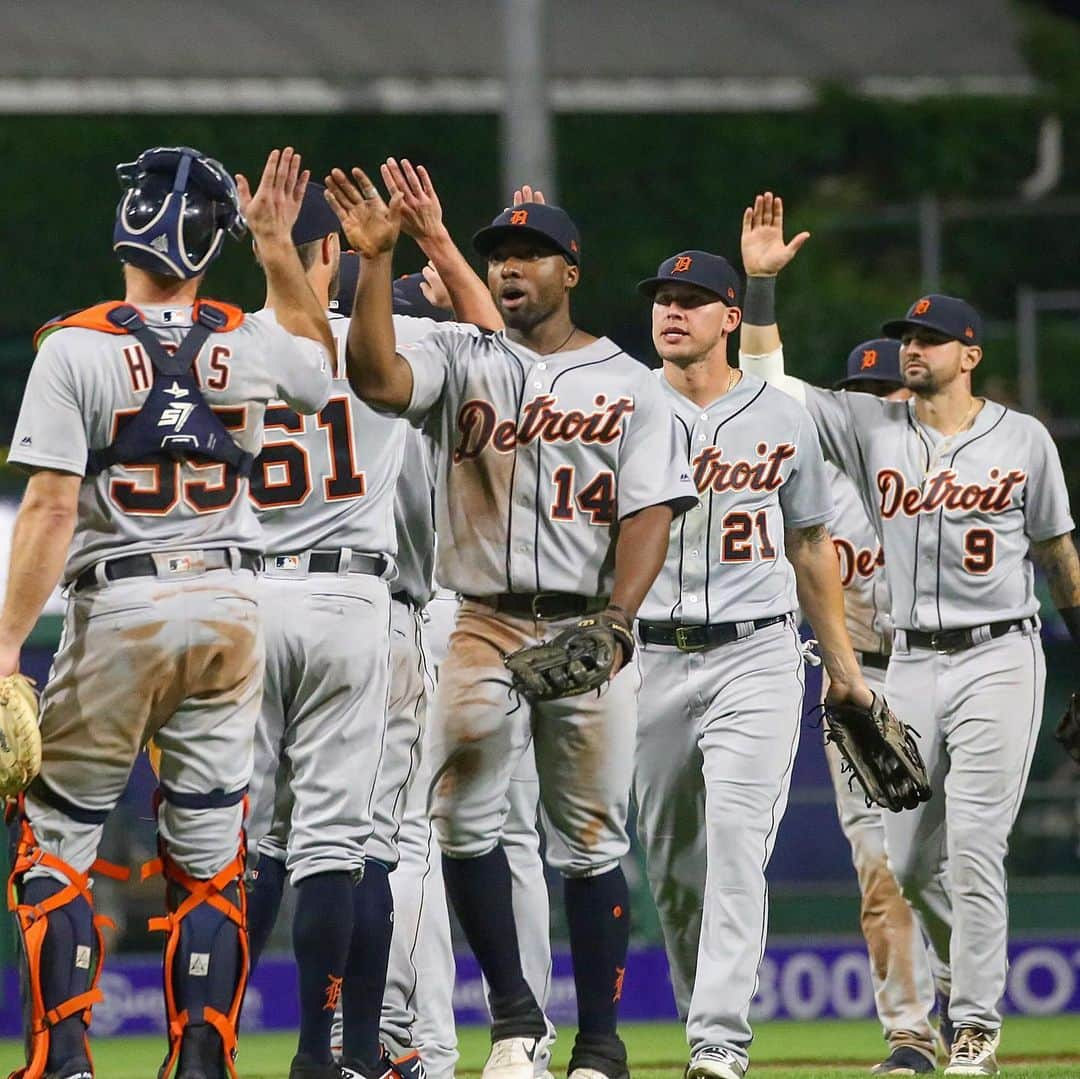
759 304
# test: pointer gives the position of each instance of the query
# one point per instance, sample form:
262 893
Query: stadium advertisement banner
798 981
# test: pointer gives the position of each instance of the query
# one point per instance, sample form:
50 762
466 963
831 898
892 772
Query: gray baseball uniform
418 1003
719 722
324 490
176 654
956 516
540 457
899 966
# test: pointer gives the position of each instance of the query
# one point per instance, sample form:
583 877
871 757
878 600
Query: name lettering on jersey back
141 371
943 491
711 471
479 426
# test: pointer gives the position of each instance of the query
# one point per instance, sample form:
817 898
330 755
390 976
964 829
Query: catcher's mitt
880 751
579 659
20 739
1068 730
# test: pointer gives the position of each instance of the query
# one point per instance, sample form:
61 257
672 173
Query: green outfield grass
1032 1049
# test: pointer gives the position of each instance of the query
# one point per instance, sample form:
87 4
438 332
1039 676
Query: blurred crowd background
925 145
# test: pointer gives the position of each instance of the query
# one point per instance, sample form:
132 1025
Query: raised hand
272 210
421 211
370 224
764 252
525 193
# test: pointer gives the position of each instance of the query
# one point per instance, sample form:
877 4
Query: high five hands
764 252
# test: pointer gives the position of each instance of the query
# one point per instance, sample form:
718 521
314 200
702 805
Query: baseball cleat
714 1062
904 1060
973 1052
511 1058
350 1069
946 1032
73 1069
408 1066
304 1067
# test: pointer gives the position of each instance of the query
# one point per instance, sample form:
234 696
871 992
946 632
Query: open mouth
512 297
672 335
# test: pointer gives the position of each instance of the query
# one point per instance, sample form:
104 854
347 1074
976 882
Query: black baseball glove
577 660
1068 730
881 753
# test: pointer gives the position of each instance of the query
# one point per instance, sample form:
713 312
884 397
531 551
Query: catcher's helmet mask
176 211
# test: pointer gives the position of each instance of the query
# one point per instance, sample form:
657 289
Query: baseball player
722 662
899 967
138 427
964 494
332 768
558 477
323 489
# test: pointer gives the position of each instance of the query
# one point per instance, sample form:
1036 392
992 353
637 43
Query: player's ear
330 250
732 319
572 275
970 357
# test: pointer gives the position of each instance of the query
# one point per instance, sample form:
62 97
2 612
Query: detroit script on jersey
757 465
540 456
956 515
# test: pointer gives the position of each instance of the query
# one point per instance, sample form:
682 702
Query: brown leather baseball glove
880 751
20 738
577 660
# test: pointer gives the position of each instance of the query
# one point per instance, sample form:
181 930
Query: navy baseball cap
948 315
711 272
877 360
551 223
409 299
316 219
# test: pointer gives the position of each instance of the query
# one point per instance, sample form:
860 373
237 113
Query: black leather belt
697 638
330 562
948 641
543 605
144 565
879 661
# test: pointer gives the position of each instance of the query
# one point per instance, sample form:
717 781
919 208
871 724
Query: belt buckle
683 641
940 642
537 605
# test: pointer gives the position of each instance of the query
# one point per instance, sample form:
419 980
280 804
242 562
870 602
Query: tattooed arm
817 577
1058 560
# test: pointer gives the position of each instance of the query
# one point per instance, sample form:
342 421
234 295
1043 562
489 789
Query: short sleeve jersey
756 463
540 457
956 515
862 568
84 383
414 518
327 481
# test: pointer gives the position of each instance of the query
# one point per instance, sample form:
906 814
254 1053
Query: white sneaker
511 1058
973 1052
714 1062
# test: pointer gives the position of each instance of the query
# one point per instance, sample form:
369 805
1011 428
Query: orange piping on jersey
96 318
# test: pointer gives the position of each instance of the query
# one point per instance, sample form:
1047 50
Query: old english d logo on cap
519 217
682 264
922 306
869 359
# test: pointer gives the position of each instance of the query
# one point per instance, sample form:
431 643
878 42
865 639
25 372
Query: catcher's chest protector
174 420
